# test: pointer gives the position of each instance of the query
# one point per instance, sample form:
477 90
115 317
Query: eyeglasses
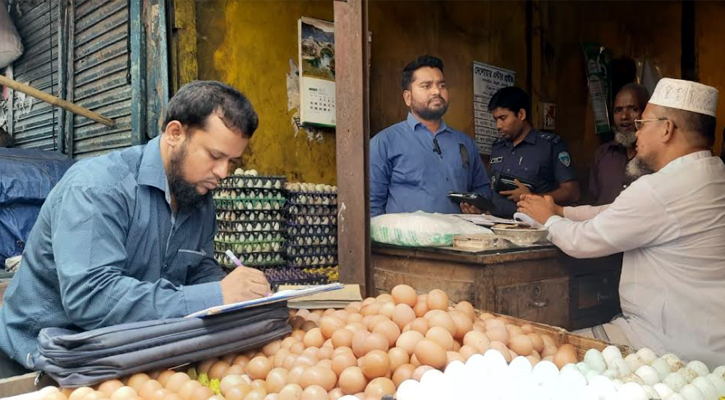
639 123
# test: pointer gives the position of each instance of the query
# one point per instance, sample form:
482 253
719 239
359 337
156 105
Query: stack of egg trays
311 229
293 276
332 273
251 221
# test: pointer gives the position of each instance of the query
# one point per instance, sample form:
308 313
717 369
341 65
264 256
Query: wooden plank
485 258
352 131
20 384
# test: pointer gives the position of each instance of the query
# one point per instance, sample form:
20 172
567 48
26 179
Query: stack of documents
331 299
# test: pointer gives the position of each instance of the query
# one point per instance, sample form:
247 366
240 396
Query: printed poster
487 80
317 72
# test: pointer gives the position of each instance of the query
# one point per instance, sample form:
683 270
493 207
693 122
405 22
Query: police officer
525 160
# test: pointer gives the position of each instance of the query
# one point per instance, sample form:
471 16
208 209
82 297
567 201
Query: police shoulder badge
565 158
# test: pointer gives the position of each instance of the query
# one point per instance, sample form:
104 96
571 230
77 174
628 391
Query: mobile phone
506 182
473 199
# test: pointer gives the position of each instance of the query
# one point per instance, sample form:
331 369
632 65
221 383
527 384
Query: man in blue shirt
414 164
524 160
128 236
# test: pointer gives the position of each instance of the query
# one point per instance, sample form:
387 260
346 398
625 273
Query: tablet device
473 199
506 182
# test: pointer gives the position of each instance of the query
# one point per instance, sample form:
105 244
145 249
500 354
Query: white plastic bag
10 45
420 229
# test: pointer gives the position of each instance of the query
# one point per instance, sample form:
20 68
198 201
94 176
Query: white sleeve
637 218
583 213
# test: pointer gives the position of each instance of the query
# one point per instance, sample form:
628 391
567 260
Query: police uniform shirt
541 160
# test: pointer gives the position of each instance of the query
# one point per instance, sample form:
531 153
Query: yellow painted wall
248 44
709 17
459 32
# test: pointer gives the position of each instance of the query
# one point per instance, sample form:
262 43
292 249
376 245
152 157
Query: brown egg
467 309
160 394
341 314
291 391
330 324
437 300
537 341
414 361
549 351
352 380
494 323
204 366
277 379
498 335
241 360
54 396
135 381
521 344
325 353
477 340
313 321
295 374
354 317
370 309
386 310
389 329
379 387
342 337
404 294
467 351
462 323
453 356
368 300
408 340
306 360
297 348
356 326
403 373
319 376
358 342
442 319
298 335
430 353
296 322
440 336
176 380
324 363
313 338
81 392
110 386
384 298
310 352
124 393
342 362
94 396
513 330
533 360
457 345
376 341
496 345
256 394
259 367
215 397
376 364
341 350
479 326
289 361
398 356
187 389
258 384
279 357
565 355
229 382
271 348
303 312
548 340
403 314
335 394
287 342
421 325
314 392
421 308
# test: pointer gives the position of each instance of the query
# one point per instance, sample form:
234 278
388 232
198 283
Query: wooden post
49 98
352 94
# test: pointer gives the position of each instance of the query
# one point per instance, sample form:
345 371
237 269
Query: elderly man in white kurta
670 224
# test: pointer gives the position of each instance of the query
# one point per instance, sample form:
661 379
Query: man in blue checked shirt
414 164
128 236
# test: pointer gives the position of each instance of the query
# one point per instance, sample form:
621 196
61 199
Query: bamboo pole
49 98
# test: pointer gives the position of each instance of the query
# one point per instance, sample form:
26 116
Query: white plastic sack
10 45
420 229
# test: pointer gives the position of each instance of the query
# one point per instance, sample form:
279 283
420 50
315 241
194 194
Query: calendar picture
317 72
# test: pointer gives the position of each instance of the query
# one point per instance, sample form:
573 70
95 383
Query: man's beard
638 167
625 138
185 193
429 114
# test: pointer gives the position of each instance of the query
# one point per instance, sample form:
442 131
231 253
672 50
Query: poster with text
487 79
317 72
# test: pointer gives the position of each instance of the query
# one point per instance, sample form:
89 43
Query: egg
699 367
419 371
291 391
596 361
408 340
521 344
320 376
329 325
175 381
501 348
188 388
674 362
259 367
388 329
462 323
200 393
403 373
379 387
477 340
313 338
437 300
342 337
675 381
342 362
430 353
358 342
256 394
421 325
110 386
81 392
498 334
441 319
376 364
662 368
314 392
691 392
124 393
718 382
353 380
441 336
421 308
375 341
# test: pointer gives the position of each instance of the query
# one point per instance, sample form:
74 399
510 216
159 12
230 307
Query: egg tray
332 273
313 240
297 209
313 261
255 226
312 220
304 251
249 215
255 260
308 230
250 237
268 204
298 282
253 182
312 199
249 248
234 194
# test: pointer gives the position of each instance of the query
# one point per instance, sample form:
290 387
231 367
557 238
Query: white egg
688 374
633 362
544 371
611 374
675 381
591 374
648 374
633 391
493 360
408 390
651 393
647 355
720 371
595 360
674 361
719 383
663 390
708 390
662 367
571 385
603 385
520 368
238 172
633 378
611 353
617 383
676 396
691 392
583 367
620 367
699 367
569 366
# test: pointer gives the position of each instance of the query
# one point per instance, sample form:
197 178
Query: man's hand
515 195
244 284
539 208
469 208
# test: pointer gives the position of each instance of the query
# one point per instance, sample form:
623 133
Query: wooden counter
538 284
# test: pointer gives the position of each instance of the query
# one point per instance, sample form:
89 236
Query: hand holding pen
243 283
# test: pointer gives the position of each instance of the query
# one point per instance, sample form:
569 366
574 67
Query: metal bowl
519 235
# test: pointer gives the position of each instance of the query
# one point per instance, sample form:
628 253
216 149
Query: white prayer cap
685 95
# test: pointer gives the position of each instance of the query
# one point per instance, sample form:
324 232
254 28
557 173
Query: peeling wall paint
249 45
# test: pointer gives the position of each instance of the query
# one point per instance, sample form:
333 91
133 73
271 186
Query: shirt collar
530 139
413 123
152 171
698 155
